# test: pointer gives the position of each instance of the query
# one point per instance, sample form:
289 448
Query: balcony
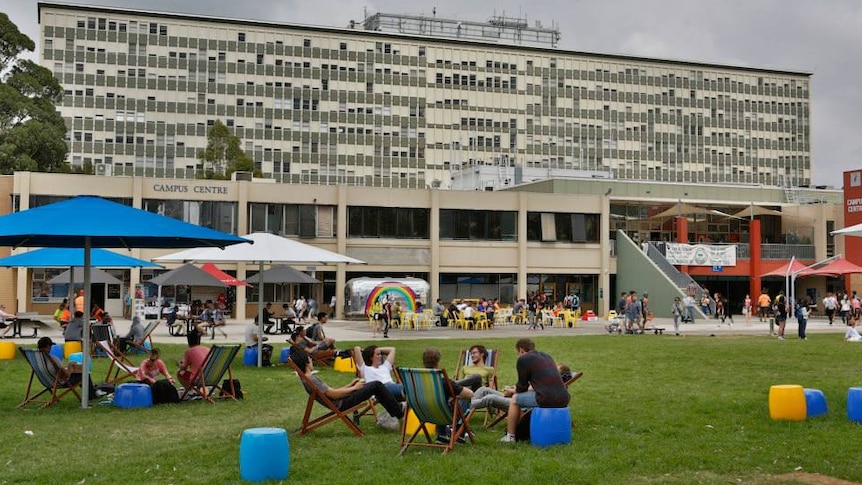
781 252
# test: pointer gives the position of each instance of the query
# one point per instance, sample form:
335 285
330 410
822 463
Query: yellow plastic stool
412 425
787 403
7 350
70 348
344 364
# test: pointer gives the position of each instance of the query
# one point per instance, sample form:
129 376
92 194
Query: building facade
554 237
356 107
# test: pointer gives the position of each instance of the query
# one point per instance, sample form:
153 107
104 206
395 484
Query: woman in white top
852 335
373 366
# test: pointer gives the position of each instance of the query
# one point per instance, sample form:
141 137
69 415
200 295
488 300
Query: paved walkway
350 331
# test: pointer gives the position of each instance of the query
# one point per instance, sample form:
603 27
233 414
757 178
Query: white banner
700 254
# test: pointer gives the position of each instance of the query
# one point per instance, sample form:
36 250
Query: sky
820 37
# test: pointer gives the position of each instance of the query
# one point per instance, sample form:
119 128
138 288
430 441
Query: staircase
685 283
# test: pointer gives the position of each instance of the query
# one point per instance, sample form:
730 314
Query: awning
225 278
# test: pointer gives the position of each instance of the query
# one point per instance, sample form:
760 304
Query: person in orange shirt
763 304
79 301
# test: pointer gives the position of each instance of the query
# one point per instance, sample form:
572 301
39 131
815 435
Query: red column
754 249
682 236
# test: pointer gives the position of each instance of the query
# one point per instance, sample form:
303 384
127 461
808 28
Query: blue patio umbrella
93 222
73 257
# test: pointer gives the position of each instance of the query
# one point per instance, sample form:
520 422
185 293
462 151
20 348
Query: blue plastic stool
133 395
815 402
285 353
550 426
250 356
264 454
79 358
57 351
854 404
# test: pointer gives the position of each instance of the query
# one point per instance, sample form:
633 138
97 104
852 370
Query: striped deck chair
98 333
427 391
504 414
208 379
332 414
120 366
45 370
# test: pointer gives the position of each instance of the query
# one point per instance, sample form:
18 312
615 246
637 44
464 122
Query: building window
562 227
388 222
220 216
478 225
303 220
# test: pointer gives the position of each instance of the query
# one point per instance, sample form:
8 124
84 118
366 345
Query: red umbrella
783 270
222 276
836 267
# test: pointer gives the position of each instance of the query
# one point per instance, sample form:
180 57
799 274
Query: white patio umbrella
267 248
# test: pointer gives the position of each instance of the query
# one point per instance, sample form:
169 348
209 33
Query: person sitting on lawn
315 332
193 359
352 394
151 367
320 350
375 364
852 335
539 371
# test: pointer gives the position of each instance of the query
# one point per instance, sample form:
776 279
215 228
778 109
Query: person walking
678 312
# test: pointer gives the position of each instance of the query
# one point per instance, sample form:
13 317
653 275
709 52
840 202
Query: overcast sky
820 37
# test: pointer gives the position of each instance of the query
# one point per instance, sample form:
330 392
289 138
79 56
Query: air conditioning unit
104 169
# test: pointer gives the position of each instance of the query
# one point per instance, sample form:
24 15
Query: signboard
852 213
700 255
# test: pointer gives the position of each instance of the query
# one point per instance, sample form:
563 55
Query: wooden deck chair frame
426 391
44 369
315 395
148 335
504 414
120 365
208 379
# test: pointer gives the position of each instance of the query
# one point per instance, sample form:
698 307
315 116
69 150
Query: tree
223 155
32 132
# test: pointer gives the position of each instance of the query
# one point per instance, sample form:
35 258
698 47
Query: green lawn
648 410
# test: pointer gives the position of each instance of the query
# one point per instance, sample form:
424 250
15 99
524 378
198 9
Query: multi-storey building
362 107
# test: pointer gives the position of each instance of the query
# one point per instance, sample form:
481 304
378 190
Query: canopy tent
282 274
785 270
93 222
836 267
225 278
96 276
267 248
683 209
855 230
756 210
187 274
70 257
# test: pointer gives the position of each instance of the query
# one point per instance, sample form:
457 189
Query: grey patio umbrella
282 274
187 274
96 276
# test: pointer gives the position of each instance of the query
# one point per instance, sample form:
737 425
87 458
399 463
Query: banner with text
700 254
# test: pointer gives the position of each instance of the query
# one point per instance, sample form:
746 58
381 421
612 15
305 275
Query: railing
680 279
767 251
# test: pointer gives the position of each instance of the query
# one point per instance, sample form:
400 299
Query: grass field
648 410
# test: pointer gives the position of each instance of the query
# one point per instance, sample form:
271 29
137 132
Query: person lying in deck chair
69 375
352 394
